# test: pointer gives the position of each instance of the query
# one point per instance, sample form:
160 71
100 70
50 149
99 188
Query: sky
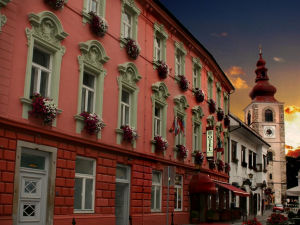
232 32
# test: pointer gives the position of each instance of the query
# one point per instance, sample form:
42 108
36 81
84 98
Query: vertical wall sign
210 143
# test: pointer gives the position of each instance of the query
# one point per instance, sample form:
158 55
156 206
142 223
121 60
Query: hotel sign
210 143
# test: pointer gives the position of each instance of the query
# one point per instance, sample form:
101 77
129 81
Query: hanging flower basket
92 123
98 25
253 221
220 114
227 167
226 121
276 219
161 144
129 133
199 95
212 164
182 151
220 165
162 69
43 108
132 48
183 83
199 157
211 106
55 4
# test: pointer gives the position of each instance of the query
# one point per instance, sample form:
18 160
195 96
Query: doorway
33 187
122 203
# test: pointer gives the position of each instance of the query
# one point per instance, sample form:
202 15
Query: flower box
55 4
98 25
211 164
161 144
199 95
199 157
129 133
220 165
211 106
162 69
183 83
92 123
276 219
182 151
43 108
132 48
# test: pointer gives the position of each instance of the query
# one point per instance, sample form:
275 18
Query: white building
266 116
248 162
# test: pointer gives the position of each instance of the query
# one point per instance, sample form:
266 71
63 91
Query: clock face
269 131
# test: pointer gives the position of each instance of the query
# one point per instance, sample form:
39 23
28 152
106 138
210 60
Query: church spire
263 91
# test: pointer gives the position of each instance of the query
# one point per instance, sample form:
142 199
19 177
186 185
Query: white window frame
178 187
196 72
158 48
87 90
157 185
158 120
90 6
127 25
196 136
84 177
178 61
125 106
40 69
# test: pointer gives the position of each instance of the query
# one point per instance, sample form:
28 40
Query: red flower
252 222
132 48
211 106
199 95
160 143
220 165
199 157
92 123
129 134
277 218
183 83
55 4
162 69
182 150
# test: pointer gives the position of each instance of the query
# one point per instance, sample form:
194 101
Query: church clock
269 131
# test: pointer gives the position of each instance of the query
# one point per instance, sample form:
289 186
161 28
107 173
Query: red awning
201 183
235 190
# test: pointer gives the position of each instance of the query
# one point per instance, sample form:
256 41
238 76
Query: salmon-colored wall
13 61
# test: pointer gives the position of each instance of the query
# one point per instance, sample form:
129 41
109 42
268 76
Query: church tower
266 116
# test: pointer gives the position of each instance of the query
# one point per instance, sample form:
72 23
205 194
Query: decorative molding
181 102
160 92
197 113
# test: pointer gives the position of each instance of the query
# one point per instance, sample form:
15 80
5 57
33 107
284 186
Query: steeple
263 91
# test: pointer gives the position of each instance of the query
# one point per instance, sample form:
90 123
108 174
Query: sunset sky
232 31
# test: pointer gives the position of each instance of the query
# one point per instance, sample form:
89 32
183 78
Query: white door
33 187
122 195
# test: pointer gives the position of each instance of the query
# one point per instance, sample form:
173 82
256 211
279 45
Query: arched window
249 118
268 115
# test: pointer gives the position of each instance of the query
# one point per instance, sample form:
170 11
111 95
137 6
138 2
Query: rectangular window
218 98
264 162
156 191
196 72
210 89
243 154
196 137
93 6
88 93
40 73
125 108
254 160
127 25
180 135
233 150
158 48
178 192
250 165
157 119
84 189
178 66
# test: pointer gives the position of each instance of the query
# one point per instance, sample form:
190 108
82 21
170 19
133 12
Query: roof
193 37
249 129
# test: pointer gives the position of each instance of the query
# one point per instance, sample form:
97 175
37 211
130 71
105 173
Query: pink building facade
52 173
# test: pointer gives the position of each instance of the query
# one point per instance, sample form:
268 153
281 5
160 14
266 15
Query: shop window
156 191
84 189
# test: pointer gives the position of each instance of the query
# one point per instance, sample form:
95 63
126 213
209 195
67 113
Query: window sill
156 211
84 211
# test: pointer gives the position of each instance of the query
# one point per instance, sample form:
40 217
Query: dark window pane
41 58
77 193
88 80
32 161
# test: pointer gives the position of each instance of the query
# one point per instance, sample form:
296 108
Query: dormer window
249 119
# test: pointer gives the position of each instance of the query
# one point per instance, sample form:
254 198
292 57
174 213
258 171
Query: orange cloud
234 74
291 109
288 147
294 153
